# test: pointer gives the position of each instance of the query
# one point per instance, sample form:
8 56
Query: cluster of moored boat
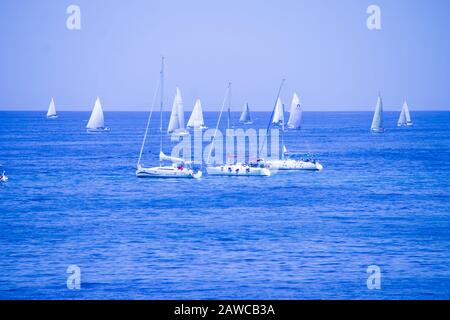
378 124
181 168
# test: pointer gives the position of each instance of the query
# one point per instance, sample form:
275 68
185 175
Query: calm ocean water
73 198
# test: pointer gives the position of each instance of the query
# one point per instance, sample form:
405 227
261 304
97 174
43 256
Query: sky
323 48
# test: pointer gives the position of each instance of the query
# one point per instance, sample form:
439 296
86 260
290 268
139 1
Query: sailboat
377 122
405 118
176 122
278 116
290 161
4 177
295 161
51 113
179 168
295 117
237 169
96 122
196 119
245 116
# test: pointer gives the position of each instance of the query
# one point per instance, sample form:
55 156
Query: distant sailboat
377 122
3 176
295 117
245 116
179 168
196 119
51 113
97 120
278 116
176 122
405 118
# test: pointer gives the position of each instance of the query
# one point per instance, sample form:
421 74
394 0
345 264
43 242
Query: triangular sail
295 117
51 109
402 118
377 122
278 116
196 119
407 114
180 110
97 120
174 122
245 116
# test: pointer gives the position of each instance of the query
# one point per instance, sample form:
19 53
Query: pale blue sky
323 48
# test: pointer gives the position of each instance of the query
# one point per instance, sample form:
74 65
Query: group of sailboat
378 122
181 168
96 121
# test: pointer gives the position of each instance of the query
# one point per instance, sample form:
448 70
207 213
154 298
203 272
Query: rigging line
271 116
227 92
161 110
148 121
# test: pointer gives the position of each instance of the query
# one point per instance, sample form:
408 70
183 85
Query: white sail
295 117
97 120
180 110
407 114
245 116
377 122
174 122
51 109
402 118
196 119
278 116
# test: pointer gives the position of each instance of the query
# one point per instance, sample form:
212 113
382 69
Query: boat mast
229 106
282 133
161 110
271 116
227 93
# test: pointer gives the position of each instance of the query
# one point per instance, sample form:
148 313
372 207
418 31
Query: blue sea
73 199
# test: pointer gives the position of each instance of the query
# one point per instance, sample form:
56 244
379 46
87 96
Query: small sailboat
179 168
237 169
278 115
51 113
176 122
405 118
4 177
295 117
377 122
96 122
196 119
245 116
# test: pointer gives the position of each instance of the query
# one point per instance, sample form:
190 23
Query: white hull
409 124
377 130
294 165
238 170
52 117
97 130
179 133
167 172
198 128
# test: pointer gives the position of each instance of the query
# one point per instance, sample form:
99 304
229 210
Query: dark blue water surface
73 198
